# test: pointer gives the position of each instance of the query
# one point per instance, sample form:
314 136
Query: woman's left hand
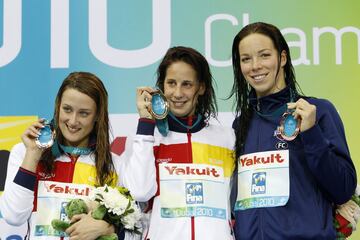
87 228
305 111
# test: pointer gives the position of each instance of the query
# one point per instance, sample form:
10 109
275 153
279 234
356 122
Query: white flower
115 202
132 220
119 204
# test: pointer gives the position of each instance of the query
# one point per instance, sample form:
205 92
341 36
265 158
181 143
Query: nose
73 118
177 92
256 64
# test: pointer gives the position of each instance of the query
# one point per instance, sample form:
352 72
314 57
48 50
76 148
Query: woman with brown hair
41 179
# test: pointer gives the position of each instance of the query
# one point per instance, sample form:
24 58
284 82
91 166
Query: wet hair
241 89
89 84
206 105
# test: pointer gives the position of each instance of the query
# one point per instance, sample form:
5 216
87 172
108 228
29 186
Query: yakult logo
255 159
209 171
67 189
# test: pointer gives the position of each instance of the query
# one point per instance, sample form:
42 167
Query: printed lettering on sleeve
192 190
51 201
263 180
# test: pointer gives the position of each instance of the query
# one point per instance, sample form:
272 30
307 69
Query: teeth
259 77
178 104
72 129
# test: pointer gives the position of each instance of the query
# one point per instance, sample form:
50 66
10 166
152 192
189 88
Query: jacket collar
187 121
270 103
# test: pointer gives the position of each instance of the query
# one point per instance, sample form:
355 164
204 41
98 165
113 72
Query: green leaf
99 212
59 225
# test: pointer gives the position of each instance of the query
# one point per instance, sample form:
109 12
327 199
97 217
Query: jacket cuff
146 126
25 179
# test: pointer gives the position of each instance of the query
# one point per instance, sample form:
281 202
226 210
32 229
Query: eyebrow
81 109
261 51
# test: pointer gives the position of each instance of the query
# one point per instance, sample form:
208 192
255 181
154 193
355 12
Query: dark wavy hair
93 87
206 105
241 89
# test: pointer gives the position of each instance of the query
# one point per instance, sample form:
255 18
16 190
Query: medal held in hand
46 138
159 105
289 126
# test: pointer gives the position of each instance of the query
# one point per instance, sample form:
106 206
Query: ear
202 89
283 59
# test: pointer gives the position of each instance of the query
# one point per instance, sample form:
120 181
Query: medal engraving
159 105
46 138
289 126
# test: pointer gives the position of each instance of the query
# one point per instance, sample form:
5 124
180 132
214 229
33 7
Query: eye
171 83
187 84
66 109
265 55
84 114
245 59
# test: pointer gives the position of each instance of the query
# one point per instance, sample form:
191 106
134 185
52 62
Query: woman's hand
88 228
33 152
305 111
143 101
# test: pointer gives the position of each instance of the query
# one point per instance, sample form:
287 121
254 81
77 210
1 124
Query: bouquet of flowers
347 216
113 205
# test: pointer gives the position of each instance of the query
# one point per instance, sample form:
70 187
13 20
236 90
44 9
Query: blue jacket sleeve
327 154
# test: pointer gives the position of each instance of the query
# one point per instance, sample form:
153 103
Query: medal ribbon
76 150
279 111
186 126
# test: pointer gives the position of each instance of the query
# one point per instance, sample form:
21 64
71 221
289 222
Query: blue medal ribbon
163 126
199 117
55 149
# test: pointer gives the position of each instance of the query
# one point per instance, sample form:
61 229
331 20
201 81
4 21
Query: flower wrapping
347 216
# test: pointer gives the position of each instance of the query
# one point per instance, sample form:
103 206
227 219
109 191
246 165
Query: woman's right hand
143 101
33 152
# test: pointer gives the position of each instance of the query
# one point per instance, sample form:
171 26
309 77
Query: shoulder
18 149
218 128
220 135
320 102
323 106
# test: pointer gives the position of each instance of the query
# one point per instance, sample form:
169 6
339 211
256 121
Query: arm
139 173
16 203
87 228
327 154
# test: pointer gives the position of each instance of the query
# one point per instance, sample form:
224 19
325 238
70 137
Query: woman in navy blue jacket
293 163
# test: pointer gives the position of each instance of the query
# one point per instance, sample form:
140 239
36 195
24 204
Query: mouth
259 77
178 103
72 129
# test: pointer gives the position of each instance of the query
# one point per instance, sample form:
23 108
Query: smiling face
182 89
77 115
259 63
